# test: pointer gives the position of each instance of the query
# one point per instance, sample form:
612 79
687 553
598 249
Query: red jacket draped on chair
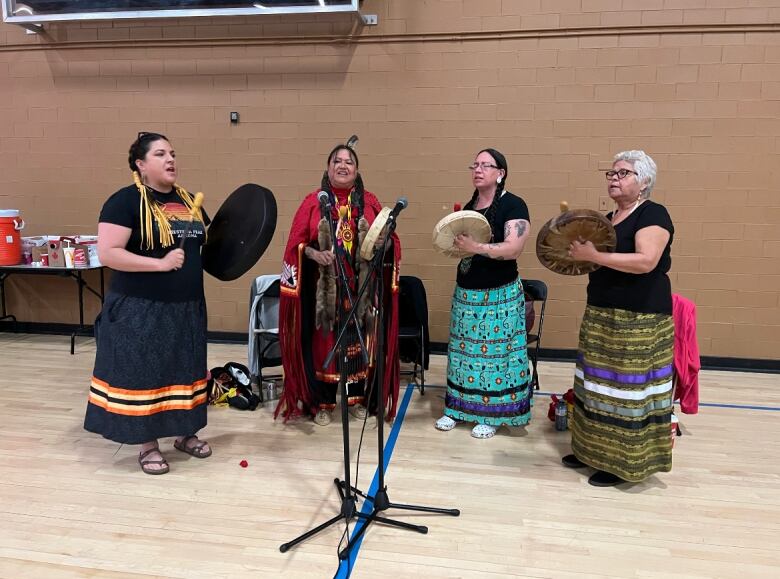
686 354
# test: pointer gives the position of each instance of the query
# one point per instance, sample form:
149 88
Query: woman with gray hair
623 378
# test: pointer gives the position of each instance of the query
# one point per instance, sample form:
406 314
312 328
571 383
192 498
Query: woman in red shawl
312 303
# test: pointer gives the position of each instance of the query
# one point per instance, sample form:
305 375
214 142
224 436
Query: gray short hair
644 166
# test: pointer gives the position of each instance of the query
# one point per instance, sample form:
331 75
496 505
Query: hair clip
351 142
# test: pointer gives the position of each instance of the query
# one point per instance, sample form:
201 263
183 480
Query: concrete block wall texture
559 86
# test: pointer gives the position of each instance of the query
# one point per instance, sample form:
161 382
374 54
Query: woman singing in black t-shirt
149 380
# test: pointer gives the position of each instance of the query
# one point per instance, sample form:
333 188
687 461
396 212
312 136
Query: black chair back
536 295
413 337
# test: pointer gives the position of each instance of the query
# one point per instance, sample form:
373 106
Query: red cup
44 260
80 258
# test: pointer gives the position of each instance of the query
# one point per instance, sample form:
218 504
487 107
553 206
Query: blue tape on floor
345 567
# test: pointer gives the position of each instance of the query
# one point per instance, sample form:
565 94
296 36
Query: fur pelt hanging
325 304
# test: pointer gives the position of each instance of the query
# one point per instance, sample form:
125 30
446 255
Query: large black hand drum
240 232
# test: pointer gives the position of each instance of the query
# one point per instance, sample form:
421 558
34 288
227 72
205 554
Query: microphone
325 205
400 205
324 199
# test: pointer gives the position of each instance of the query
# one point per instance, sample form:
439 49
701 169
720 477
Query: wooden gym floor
75 505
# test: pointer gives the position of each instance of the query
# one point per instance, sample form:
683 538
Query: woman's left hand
583 251
380 240
465 242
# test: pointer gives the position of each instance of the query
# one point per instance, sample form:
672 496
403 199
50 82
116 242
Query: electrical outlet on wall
604 203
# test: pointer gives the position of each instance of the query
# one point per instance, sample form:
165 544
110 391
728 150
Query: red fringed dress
307 385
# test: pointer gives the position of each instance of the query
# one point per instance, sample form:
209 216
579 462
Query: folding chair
535 292
264 349
413 338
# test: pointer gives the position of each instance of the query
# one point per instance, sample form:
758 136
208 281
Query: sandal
445 423
144 462
483 431
196 450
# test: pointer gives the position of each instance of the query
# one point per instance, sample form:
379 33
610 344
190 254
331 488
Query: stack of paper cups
79 257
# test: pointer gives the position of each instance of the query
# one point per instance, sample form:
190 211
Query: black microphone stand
348 497
348 493
381 501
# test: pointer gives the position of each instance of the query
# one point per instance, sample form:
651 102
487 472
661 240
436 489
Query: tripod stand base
349 511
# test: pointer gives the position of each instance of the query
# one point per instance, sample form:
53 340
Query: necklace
630 211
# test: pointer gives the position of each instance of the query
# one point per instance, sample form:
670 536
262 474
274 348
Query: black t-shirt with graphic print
185 284
480 272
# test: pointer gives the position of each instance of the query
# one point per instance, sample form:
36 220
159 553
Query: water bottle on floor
269 391
561 419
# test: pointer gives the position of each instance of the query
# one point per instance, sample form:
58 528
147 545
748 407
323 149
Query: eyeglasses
483 166
620 173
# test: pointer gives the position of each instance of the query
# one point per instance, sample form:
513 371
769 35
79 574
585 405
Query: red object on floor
244 464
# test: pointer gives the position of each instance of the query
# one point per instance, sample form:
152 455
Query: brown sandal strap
146 463
194 449
143 455
183 442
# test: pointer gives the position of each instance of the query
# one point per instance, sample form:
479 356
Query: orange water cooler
10 238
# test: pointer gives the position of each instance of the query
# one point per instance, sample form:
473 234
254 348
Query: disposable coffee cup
68 253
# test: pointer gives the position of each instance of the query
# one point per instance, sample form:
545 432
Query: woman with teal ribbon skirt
488 379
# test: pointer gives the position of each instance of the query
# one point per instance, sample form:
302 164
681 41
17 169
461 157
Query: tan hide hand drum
555 237
470 222
367 247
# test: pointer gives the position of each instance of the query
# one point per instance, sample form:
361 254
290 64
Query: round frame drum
367 247
240 232
555 237
470 222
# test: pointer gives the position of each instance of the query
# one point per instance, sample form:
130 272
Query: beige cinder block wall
558 85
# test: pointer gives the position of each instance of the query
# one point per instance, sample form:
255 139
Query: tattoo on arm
496 246
519 227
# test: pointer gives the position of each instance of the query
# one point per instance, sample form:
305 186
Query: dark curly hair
140 147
